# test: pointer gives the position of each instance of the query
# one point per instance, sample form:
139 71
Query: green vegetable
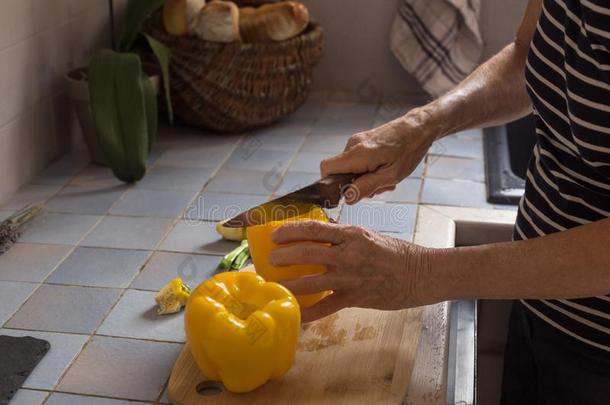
136 12
237 258
124 109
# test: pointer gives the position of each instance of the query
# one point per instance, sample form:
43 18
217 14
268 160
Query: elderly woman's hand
365 269
384 155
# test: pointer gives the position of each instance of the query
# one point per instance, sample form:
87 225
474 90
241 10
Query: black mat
18 357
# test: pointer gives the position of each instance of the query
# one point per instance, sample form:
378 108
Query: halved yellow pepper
242 330
261 246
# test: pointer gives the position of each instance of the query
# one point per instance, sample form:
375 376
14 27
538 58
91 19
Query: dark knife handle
331 188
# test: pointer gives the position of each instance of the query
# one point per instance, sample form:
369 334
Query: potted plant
115 96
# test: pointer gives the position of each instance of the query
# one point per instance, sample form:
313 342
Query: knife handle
335 186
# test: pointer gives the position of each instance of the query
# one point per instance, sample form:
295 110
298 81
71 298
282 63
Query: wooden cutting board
355 356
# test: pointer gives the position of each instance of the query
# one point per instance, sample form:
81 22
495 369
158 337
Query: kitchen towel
437 41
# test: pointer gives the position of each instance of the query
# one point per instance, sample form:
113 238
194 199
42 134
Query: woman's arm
369 270
569 264
493 94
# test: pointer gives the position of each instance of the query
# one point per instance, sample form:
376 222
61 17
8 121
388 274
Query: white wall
40 41
357 43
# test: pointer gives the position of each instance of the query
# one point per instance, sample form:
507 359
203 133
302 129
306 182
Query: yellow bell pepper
242 330
261 246
172 297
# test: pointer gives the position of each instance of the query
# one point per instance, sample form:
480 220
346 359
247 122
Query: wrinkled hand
365 269
386 155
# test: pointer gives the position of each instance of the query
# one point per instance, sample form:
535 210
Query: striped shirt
568 180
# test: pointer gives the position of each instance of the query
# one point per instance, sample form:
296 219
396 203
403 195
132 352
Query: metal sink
477 332
508 149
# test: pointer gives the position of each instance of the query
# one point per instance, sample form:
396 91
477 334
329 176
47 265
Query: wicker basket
237 87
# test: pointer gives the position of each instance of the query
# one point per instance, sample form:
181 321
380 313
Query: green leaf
120 98
136 12
152 110
163 56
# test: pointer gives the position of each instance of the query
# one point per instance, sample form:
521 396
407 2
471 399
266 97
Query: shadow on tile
121 368
70 309
135 316
164 266
197 237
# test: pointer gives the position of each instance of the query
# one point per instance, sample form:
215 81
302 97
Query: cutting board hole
209 388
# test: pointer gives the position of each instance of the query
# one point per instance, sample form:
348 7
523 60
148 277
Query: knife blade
326 193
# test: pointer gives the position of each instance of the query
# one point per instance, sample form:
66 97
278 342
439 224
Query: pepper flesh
261 246
242 330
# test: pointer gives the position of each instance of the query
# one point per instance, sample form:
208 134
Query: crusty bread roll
218 21
273 22
179 16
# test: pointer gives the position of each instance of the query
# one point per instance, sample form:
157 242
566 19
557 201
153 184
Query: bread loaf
273 22
218 21
179 16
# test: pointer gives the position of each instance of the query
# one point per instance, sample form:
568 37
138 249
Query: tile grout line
121 295
145 263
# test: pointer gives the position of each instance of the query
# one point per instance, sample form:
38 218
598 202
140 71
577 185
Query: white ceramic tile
135 316
15 23
293 181
29 134
382 217
334 144
31 262
213 206
165 266
467 144
85 200
59 398
34 194
196 155
61 229
55 308
29 397
96 176
95 267
127 233
308 162
175 178
153 203
123 368
407 191
64 349
251 156
284 136
245 181
445 167
61 171
345 118
13 296
460 193
197 237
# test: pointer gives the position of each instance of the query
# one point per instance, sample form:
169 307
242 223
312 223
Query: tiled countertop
84 274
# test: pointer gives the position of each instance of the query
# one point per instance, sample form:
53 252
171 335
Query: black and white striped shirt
568 181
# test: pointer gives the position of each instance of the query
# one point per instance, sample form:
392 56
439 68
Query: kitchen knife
326 193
